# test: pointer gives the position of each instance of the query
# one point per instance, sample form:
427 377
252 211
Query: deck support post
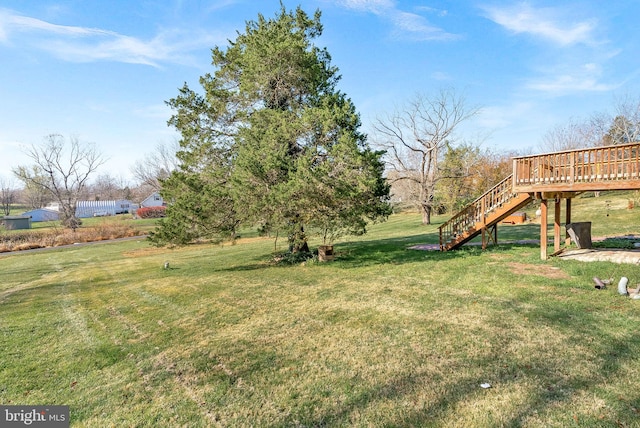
495 234
489 234
567 238
543 229
483 208
484 238
556 225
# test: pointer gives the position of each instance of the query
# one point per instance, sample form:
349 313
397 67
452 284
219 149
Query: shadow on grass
398 251
395 251
364 253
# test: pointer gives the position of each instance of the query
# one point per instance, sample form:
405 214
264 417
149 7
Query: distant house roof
153 200
42 214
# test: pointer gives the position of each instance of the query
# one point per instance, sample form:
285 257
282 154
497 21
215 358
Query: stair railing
476 212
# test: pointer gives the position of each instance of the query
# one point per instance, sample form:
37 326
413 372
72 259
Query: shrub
289 258
26 240
151 212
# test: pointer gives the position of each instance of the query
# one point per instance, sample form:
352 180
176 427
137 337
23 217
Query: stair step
495 213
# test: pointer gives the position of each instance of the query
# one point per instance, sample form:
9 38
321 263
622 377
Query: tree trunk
426 214
304 248
298 240
69 219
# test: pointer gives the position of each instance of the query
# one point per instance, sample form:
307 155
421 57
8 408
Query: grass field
382 336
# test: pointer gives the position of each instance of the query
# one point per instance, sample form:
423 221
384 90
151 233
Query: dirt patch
550 272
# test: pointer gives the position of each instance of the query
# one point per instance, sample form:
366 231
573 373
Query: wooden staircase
482 214
555 176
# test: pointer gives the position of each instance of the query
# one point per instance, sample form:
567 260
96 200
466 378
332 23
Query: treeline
432 170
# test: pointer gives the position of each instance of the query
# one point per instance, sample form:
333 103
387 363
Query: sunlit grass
383 336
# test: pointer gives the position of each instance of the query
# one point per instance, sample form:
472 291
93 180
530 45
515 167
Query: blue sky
101 70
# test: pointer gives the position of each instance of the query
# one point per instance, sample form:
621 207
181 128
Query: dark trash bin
580 233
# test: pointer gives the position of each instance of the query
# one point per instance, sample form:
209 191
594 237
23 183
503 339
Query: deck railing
476 212
605 165
598 168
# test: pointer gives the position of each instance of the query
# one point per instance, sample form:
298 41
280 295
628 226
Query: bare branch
8 195
415 136
63 170
157 166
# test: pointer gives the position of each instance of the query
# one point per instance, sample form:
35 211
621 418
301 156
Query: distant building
153 200
86 209
42 214
15 222
54 206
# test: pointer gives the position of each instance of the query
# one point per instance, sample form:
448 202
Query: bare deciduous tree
8 194
595 130
33 195
109 187
600 129
572 135
157 165
625 125
63 170
415 138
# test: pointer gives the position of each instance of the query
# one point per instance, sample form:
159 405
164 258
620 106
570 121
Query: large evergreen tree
271 143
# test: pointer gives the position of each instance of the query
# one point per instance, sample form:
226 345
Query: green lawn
383 336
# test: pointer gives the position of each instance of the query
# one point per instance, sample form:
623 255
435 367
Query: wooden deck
599 168
556 176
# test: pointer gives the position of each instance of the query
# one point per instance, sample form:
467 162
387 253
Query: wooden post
495 234
572 169
567 238
556 225
483 207
543 229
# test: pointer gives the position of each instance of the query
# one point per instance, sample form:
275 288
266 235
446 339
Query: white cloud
82 44
503 116
561 71
407 25
416 27
221 4
566 83
433 10
584 78
12 22
546 23
373 6
440 75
